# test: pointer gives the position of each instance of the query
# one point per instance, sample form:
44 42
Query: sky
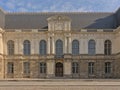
60 5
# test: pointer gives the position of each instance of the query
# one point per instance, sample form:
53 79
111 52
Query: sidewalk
60 84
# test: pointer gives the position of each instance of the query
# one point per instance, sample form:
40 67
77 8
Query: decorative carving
59 26
59 22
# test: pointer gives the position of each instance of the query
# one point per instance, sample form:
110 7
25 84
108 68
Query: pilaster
67 68
50 68
48 46
53 46
20 46
32 46
1 54
70 46
65 49
16 46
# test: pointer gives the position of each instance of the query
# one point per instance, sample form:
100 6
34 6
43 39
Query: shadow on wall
46 27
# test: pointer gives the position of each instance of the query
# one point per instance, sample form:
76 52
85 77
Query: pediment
59 18
59 22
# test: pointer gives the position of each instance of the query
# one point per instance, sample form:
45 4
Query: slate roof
79 20
88 20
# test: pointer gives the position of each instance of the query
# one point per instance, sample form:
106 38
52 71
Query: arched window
59 48
107 47
10 47
91 47
75 47
42 47
27 46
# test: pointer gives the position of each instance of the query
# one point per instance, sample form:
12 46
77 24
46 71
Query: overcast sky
60 5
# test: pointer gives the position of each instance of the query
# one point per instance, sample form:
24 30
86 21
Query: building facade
60 45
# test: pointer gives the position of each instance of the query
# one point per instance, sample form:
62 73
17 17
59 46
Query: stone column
67 68
50 68
53 46
48 46
70 46
67 42
65 46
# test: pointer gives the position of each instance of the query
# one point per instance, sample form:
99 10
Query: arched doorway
59 69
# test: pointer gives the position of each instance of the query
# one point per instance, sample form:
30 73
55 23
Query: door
59 69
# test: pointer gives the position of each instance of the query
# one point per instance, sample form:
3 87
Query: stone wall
99 68
83 36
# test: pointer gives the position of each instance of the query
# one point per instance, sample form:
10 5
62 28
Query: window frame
26 47
59 48
75 47
75 67
107 47
10 47
26 67
42 67
91 47
91 66
42 47
108 67
10 67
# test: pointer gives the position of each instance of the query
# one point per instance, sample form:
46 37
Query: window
10 67
42 67
10 47
42 47
59 48
26 47
75 47
91 47
91 68
26 68
107 67
75 67
107 47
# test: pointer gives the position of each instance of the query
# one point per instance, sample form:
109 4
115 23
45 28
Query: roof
38 20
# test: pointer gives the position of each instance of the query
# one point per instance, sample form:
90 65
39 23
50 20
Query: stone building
60 44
